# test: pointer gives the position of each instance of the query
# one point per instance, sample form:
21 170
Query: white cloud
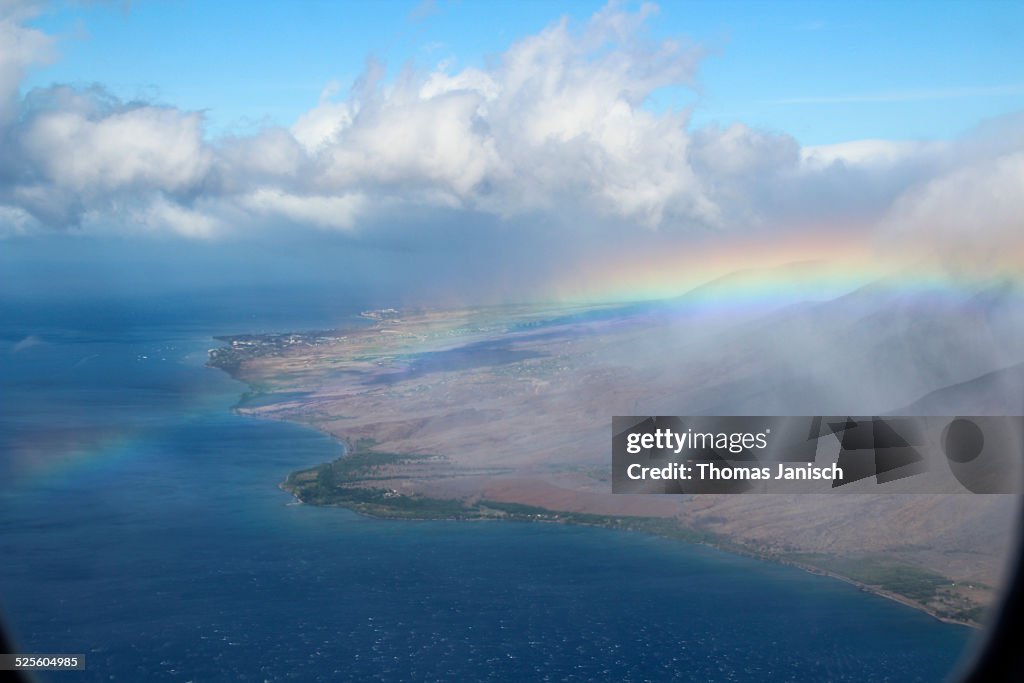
87 151
473 80
162 215
320 125
337 212
556 124
15 220
739 150
554 130
20 48
969 217
271 154
877 153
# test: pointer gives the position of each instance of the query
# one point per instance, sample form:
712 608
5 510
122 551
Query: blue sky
822 72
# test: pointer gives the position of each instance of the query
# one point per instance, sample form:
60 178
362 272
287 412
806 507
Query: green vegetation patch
353 481
903 579
343 480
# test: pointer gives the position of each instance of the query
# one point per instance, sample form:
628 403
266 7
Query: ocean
141 525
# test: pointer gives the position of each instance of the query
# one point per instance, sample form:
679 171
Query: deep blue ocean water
141 525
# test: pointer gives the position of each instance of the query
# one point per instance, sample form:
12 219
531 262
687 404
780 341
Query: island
503 413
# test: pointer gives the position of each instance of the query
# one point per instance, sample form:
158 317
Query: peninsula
504 413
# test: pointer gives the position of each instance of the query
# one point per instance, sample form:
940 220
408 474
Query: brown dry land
512 407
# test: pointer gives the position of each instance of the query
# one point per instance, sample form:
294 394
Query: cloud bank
555 132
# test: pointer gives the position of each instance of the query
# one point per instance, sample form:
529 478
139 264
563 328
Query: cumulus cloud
555 130
79 143
20 47
970 217
557 123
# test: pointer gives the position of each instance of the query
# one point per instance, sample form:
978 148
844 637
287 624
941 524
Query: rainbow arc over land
754 272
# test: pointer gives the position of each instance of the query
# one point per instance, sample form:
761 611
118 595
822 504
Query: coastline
284 374
534 514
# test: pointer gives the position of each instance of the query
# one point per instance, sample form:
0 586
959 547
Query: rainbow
42 457
797 266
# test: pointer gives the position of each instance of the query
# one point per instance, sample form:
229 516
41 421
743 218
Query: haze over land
514 404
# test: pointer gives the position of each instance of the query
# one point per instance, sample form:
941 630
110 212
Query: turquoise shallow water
141 525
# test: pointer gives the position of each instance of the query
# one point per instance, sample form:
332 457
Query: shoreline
667 527
621 523
722 547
